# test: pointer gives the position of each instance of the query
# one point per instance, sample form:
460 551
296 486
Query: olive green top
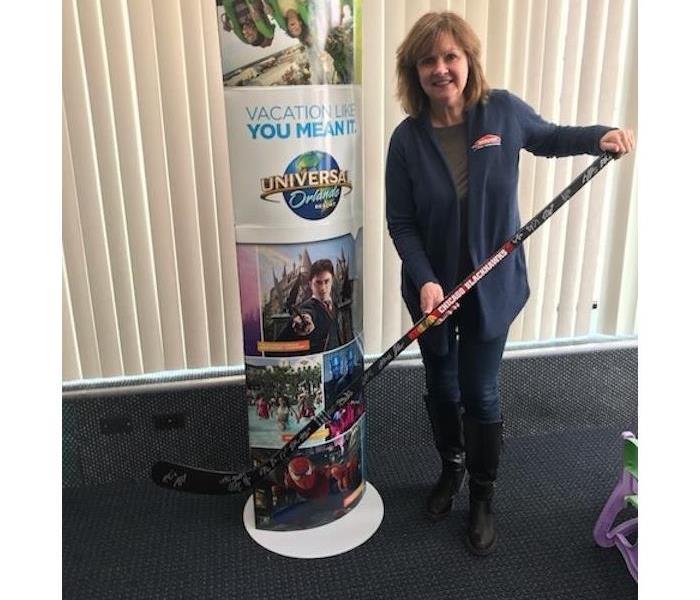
453 143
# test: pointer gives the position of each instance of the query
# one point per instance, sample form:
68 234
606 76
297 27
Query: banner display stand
337 537
292 94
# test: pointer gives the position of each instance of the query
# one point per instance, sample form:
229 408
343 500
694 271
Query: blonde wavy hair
419 42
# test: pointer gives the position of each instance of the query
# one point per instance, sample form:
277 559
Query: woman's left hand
618 141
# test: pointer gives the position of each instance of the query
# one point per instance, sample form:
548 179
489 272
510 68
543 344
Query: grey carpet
132 540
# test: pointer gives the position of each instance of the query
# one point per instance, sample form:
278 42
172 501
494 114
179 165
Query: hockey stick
203 481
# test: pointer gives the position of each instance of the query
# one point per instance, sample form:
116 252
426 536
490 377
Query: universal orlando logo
311 185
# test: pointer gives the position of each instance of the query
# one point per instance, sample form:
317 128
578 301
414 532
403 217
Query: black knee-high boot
483 443
446 422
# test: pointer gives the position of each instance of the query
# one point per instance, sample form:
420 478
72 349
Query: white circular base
336 537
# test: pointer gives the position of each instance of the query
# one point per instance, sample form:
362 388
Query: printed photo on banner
318 485
283 395
295 157
287 42
299 299
341 368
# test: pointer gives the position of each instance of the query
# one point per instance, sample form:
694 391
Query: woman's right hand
431 295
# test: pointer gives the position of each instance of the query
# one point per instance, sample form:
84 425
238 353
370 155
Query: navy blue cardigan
422 209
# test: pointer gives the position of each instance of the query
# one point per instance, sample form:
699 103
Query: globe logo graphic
313 202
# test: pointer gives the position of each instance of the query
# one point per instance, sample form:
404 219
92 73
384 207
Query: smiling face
443 74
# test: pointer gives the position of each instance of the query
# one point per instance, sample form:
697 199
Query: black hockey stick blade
196 480
190 479
203 481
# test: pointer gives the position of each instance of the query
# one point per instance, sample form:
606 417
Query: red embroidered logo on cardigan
490 139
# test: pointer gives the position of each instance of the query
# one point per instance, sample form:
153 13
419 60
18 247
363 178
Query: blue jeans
468 373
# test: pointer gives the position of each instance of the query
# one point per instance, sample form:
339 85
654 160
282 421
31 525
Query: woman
451 200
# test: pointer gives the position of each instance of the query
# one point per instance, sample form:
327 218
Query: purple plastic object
624 494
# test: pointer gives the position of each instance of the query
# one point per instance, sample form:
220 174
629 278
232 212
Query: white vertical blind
85 213
571 56
372 127
587 112
548 77
231 332
149 278
71 350
130 181
397 19
155 185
